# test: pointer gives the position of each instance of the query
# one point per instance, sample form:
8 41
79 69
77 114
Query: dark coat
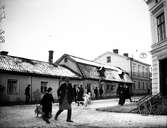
127 93
101 91
121 94
46 103
27 91
61 93
80 94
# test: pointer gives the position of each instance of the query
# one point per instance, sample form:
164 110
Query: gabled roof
23 65
89 69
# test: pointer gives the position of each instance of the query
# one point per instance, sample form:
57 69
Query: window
43 86
134 69
107 88
139 70
134 85
138 84
143 70
12 87
161 27
108 59
112 87
65 60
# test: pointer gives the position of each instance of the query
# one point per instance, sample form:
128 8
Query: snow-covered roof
93 63
90 70
17 64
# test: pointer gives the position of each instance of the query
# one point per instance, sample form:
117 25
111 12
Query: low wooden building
95 74
16 73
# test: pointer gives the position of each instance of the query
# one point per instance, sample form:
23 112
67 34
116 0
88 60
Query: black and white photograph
83 63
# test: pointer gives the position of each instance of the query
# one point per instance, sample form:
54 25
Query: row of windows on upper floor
141 74
139 68
144 68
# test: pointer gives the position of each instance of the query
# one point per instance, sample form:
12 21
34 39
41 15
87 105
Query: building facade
138 71
16 73
158 14
96 75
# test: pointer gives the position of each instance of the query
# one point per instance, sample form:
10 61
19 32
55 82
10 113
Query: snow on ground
23 116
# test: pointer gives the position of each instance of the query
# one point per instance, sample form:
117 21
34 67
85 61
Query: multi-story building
138 71
158 14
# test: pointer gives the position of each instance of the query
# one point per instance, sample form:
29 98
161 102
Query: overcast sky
83 28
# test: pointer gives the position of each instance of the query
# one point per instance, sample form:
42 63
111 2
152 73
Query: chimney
115 51
125 54
50 57
4 53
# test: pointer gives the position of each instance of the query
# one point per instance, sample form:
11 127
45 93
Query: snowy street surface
23 116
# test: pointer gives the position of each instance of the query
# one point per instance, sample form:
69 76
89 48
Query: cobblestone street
23 116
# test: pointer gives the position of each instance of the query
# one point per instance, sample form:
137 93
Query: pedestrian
65 96
46 103
80 95
27 93
127 93
74 93
96 93
101 92
121 94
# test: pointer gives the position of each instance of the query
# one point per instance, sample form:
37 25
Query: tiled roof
17 64
110 75
89 69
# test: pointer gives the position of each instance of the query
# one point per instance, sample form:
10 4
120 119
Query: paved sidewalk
23 116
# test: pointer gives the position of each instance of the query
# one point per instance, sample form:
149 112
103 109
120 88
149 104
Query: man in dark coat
80 95
65 96
27 93
74 93
121 94
127 93
46 103
96 93
101 92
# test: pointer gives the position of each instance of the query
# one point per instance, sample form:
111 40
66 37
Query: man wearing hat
46 103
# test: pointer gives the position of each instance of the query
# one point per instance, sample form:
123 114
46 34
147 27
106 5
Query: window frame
44 85
161 28
108 59
11 91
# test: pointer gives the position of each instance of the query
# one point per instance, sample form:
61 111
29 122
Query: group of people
98 92
123 93
65 98
78 94
67 94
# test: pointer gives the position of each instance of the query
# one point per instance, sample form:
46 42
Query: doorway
163 76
